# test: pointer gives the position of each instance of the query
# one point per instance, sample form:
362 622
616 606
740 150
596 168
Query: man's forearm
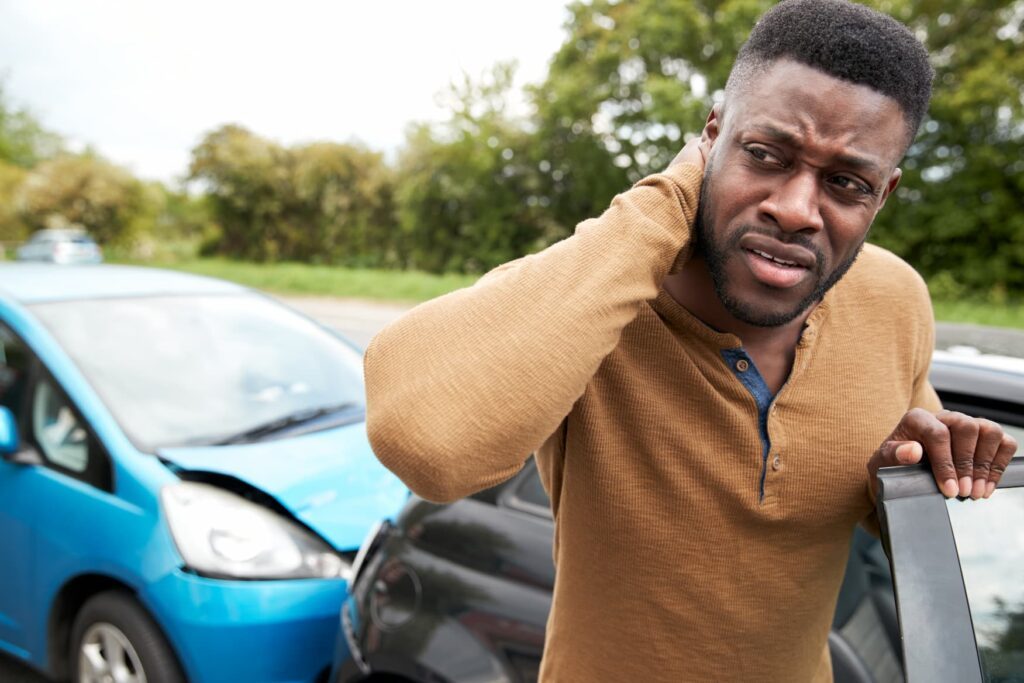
463 388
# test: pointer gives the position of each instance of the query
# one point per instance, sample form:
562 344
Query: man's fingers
968 455
1005 452
963 438
893 453
990 437
924 427
693 152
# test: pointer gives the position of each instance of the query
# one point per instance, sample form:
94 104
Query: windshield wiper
287 422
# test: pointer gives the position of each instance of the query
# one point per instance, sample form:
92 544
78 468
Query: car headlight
221 534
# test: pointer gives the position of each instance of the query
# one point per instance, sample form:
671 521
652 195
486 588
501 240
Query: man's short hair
844 40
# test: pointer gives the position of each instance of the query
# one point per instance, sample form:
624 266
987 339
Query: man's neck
772 348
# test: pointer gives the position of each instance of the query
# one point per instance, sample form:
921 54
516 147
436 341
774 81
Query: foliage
12 228
470 190
323 202
959 211
87 191
23 140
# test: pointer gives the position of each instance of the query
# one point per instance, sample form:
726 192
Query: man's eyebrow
787 138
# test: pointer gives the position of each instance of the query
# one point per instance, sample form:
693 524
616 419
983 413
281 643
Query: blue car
184 478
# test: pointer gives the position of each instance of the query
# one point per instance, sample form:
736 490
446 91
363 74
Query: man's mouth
774 271
780 261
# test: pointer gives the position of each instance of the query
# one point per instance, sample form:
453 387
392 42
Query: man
711 391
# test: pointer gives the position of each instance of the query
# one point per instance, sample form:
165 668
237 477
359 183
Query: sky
142 81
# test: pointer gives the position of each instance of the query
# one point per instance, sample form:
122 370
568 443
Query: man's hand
694 152
968 455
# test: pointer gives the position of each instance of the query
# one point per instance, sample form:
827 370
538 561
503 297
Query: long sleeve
463 388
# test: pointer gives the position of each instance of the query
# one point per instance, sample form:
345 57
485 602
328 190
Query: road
360 320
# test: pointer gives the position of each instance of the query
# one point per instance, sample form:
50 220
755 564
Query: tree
469 190
247 180
12 228
345 192
87 191
23 141
959 213
322 202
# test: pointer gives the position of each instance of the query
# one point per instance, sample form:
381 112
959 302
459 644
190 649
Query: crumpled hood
330 479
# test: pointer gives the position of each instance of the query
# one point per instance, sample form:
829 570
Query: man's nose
793 204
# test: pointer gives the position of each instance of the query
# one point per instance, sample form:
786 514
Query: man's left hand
968 455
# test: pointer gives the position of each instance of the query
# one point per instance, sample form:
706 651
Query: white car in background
64 246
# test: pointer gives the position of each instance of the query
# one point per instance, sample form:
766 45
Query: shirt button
776 463
742 365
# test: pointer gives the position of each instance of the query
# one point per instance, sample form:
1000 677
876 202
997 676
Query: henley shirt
701 524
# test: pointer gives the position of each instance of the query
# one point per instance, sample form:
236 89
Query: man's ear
712 126
890 186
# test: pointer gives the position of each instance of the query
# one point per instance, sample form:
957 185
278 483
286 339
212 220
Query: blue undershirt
746 372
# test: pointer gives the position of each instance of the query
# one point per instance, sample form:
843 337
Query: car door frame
931 596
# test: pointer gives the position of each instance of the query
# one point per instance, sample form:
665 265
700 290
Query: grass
311 280
413 286
980 313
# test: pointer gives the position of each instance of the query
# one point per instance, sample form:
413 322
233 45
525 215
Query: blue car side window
59 433
63 437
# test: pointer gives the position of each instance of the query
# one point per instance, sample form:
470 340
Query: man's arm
463 388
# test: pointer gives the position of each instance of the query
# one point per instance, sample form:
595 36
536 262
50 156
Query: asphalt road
360 320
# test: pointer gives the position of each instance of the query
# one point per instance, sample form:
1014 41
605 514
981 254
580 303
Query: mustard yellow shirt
682 553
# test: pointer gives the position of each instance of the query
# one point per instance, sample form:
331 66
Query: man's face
801 164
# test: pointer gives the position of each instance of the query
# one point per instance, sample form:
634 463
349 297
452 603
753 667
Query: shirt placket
747 373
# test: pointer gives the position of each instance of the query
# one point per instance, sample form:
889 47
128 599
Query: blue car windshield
194 370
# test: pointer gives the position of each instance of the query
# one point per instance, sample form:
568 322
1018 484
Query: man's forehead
792 138
793 103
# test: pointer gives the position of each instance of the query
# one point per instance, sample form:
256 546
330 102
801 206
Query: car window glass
990 542
14 366
532 491
191 370
1016 432
59 433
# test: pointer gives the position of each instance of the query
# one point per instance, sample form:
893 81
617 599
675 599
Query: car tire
113 635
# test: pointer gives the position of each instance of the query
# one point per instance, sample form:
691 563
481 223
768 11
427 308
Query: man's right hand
694 152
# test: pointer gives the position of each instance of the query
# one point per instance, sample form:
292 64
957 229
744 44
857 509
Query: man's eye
762 154
759 154
851 184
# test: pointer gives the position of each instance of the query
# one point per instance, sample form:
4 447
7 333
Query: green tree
469 190
959 213
23 140
322 202
247 181
346 194
87 191
12 228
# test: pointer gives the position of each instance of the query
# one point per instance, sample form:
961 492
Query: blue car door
54 499
15 512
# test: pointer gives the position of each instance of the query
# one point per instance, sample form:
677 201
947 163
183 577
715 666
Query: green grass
980 313
305 279
413 287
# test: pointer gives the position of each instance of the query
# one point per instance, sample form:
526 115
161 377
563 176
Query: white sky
142 80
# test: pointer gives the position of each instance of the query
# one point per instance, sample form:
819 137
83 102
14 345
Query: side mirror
10 447
8 431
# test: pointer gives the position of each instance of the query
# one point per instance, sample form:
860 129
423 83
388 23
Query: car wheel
114 640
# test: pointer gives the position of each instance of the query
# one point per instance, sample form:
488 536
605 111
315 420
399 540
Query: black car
461 592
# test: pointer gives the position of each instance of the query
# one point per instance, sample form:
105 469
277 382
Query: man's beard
716 254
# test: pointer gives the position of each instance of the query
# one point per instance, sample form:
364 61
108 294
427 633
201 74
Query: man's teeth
773 258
